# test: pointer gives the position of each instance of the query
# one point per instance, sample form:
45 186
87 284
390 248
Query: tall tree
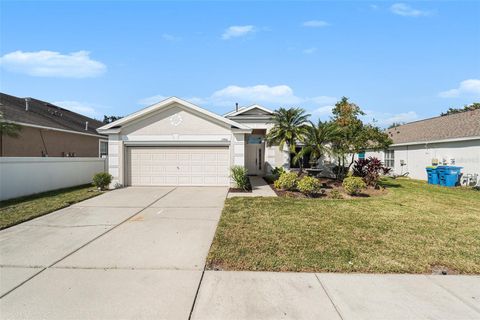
290 125
7 128
317 140
109 119
469 107
354 136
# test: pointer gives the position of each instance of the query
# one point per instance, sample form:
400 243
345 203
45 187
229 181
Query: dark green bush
102 180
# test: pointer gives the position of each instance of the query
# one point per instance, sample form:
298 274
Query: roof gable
253 110
167 103
174 119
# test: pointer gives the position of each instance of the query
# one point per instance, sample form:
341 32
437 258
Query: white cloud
87 109
53 64
148 101
259 93
237 31
322 112
386 119
309 50
405 10
170 37
466 87
315 24
269 96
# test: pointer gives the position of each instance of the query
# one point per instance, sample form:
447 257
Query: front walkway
260 188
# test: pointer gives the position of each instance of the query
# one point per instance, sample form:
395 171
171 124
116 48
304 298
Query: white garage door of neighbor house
178 166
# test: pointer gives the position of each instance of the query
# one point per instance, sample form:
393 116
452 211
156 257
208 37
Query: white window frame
389 158
100 148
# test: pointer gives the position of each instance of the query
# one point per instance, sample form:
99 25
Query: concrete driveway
131 253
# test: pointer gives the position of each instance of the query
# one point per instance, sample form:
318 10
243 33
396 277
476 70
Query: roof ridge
438 117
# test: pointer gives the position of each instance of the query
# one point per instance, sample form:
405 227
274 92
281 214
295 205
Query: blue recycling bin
449 176
432 175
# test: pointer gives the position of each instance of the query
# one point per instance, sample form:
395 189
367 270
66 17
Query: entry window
103 149
254 140
389 158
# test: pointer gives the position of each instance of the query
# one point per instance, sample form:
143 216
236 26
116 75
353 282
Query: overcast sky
400 61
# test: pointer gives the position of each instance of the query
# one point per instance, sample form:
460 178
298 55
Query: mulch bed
237 190
328 185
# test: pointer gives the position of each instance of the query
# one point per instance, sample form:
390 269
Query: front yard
22 209
414 228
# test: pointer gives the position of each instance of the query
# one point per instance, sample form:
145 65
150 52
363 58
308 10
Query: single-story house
49 131
175 142
445 140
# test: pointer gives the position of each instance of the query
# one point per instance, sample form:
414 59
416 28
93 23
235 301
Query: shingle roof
460 125
45 114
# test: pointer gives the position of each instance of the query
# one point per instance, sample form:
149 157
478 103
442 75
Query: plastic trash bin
449 176
432 175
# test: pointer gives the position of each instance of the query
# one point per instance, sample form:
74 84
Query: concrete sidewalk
260 188
271 295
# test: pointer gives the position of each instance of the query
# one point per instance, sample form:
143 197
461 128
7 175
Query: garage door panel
178 166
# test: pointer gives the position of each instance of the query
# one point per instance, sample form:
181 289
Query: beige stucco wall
54 143
174 121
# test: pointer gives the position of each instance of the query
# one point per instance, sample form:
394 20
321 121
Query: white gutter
178 143
56 129
435 141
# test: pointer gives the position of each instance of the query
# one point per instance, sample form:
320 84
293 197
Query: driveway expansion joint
337 309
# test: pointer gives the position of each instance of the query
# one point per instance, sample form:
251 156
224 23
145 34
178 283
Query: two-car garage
182 166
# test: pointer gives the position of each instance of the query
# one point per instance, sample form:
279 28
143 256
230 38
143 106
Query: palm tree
290 125
317 140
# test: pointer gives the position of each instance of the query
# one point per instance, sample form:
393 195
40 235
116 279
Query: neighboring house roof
464 125
45 114
249 111
166 103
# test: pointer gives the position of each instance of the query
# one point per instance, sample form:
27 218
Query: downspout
43 141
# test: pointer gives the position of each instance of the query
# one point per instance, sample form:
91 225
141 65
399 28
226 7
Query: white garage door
178 166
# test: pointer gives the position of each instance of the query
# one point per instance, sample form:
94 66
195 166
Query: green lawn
22 209
412 229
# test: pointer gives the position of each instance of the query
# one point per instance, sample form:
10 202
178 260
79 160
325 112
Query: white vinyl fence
25 176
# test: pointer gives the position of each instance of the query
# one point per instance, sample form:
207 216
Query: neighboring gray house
449 140
175 142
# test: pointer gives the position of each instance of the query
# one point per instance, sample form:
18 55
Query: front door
254 155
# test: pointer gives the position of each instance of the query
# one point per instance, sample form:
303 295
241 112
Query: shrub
339 171
353 185
335 194
286 181
278 171
309 185
369 170
270 178
101 180
239 176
